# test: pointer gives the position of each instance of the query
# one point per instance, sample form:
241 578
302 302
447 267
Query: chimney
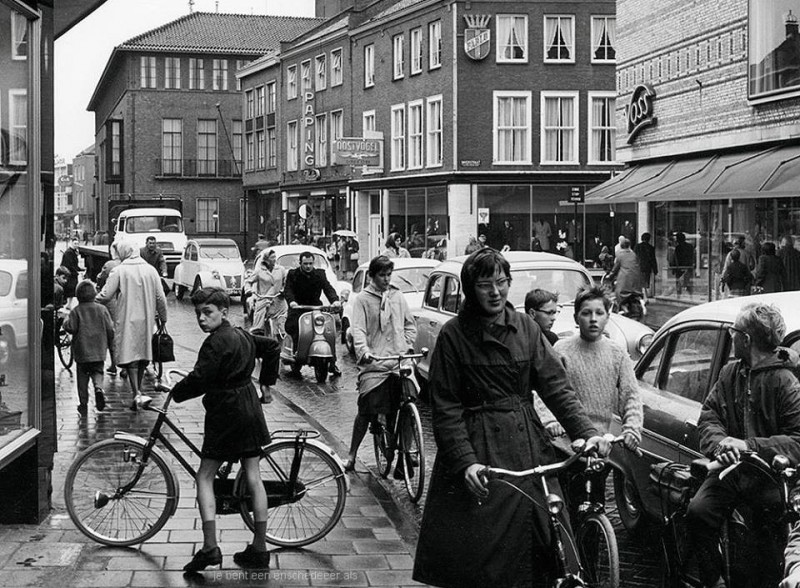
791 25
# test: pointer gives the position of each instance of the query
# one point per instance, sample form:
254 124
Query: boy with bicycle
382 325
235 428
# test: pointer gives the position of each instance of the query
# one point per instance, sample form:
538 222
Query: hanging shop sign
477 37
357 151
309 140
639 111
483 216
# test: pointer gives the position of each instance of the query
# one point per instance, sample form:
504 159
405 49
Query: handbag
354 256
162 345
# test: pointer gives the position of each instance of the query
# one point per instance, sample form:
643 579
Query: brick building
168 114
487 108
84 193
708 124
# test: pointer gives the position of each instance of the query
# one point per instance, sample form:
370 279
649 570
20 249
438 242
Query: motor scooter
316 341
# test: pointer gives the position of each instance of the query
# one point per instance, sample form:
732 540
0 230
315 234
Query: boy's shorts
91 367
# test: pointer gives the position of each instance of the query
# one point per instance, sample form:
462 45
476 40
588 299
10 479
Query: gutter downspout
454 10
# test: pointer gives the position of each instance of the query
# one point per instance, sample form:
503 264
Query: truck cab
165 224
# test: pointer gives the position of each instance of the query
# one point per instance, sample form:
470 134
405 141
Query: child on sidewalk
92 336
235 428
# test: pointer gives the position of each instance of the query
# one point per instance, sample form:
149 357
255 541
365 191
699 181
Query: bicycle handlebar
322 307
400 357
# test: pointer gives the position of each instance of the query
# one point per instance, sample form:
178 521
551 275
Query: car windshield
5 283
154 224
411 279
219 251
292 260
564 282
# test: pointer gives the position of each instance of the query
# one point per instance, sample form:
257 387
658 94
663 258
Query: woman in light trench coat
136 286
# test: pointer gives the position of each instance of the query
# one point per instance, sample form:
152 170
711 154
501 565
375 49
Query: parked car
289 257
675 375
209 262
410 275
13 305
529 270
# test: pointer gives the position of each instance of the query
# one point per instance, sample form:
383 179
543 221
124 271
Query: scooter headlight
319 321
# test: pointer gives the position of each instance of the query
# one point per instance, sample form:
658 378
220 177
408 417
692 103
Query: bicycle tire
599 554
311 516
123 520
64 346
383 455
411 448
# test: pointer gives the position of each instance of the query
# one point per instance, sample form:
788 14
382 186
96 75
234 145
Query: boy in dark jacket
737 276
92 337
754 406
235 428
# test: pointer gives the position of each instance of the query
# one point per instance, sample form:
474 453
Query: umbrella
345 233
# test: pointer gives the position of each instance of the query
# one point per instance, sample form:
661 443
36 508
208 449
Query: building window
291 82
398 137
114 143
321 71
237 145
271 97
559 127
415 134
207 215
250 104
512 127
369 66
773 49
240 63
18 126
197 74
291 146
398 56
512 38
251 151
337 125
602 127
259 99
272 148
172 72
435 44
147 72
220 79
604 39
336 67
171 146
321 134
305 76
260 147
434 137
559 39
368 121
206 147
19 36
416 51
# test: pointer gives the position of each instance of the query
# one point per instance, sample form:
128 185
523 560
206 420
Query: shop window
602 127
219 79
336 67
416 51
197 74
512 127
420 216
604 39
559 39
435 44
512 38
321 69
559 127
291 82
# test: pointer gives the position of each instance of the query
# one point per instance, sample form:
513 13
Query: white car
289 257
209 262
13 305
410 275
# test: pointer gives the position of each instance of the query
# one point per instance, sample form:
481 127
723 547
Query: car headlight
644 342
215 274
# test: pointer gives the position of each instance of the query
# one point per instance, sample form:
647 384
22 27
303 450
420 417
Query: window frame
172 65
271 96
415 50
337 73
306 83
259 94
499 47
591 96
197 66
398 56
592 47
416 157
434 135
16 44
237 130
205 144
365 116
250 151
172 147
398 136
576 128
369 65
261 147
496 95
272 147
206 223
545 48
291 82
434 52
321 139
220 74
250 102
147 71
292 149
321 72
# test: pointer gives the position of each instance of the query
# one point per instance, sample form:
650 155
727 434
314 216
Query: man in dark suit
304 286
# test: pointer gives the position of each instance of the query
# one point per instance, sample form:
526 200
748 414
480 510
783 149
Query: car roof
13 265
292 249
727 309
407 262
150 212
210 242
516 258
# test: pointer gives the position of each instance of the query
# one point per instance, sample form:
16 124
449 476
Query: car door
20 309
429 319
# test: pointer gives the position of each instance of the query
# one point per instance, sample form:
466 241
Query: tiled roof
395 7
221 33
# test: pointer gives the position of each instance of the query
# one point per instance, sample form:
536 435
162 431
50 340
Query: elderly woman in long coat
140 299
485 364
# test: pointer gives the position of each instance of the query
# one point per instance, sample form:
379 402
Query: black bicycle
122 491
63 343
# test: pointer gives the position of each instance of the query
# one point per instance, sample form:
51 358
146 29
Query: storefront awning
773 172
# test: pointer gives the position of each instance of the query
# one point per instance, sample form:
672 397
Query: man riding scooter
304 285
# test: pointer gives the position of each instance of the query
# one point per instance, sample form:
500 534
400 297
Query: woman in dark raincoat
485 364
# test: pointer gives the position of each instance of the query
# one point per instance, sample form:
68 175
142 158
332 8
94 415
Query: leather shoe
203 559
250 558
335 371
350 465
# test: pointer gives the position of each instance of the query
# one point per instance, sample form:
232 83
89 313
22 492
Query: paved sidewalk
369 546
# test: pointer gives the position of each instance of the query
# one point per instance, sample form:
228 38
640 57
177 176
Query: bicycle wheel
64 346
302 512
411 449
383 453
99 505
597 547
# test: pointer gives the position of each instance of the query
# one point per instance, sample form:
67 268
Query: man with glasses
754 406
543 307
